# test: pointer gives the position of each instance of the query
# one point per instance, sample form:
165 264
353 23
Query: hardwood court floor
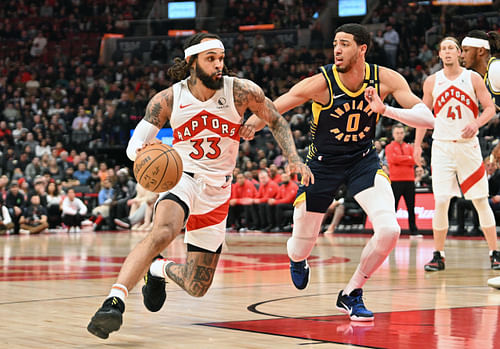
50 286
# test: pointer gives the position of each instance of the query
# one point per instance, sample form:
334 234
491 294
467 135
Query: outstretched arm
414 113
247 94
420 132
313 88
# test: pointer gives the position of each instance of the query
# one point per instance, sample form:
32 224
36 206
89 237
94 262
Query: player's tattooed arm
159 108
248 95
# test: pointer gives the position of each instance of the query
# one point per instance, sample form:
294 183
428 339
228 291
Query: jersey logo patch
184 106
206 121
453 92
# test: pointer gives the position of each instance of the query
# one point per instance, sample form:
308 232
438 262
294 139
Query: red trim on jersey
473 179
459 95
217 215
206 121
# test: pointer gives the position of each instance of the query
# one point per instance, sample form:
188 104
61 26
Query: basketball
158 167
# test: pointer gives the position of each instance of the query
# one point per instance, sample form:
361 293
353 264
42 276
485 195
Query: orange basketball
158 167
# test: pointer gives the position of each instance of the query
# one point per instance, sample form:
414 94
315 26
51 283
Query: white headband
475 42
203 46
451 42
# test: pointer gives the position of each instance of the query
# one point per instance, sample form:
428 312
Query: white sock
358 280
118 290
442 254
157 268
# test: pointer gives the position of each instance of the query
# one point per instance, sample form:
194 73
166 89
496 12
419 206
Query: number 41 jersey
455 105
206 132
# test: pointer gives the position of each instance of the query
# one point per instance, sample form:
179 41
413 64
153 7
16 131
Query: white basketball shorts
208 208
460 159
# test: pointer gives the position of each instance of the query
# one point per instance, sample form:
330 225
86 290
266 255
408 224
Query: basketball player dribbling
205 111
478 53
346 109
453 93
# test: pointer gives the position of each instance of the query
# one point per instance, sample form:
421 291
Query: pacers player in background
453 93
480 52
347 104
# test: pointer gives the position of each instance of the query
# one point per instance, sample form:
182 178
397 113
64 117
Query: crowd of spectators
53 104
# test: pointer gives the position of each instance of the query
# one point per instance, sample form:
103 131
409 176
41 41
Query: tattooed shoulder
158 108
245 92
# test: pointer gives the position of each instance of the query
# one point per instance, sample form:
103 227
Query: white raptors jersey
206 133
455 105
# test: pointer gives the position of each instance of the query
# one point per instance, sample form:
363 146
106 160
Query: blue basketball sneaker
353 306
300 273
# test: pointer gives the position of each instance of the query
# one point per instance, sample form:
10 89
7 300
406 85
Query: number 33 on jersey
206 133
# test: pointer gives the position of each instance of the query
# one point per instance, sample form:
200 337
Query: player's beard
348 66
209 80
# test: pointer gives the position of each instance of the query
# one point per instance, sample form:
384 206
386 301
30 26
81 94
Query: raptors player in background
205 110
454 92
480 52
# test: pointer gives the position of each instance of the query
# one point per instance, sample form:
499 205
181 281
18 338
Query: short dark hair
360 33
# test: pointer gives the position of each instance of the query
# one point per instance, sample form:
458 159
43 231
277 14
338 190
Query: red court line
474 327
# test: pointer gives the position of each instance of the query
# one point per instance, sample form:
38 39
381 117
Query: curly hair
180 69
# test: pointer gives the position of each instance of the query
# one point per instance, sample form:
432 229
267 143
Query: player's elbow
132 147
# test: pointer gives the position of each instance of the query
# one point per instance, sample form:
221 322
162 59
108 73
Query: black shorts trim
173 197
193 248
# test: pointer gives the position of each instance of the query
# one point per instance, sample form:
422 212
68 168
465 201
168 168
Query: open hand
470 129
374 100
304 171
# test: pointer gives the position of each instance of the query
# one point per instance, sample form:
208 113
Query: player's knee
299 248
386 234
485 213
161 235
440 219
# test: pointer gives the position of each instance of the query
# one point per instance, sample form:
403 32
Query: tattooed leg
196 275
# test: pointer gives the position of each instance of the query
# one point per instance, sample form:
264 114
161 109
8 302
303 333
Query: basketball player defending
346 109
453 93
478 53
206 111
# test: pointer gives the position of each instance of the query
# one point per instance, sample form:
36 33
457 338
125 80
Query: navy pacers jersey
494 94
342 150
346 125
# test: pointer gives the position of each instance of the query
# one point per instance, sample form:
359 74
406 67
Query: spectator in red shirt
249 177
399 157
287 192
240 204
267 190
274 174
